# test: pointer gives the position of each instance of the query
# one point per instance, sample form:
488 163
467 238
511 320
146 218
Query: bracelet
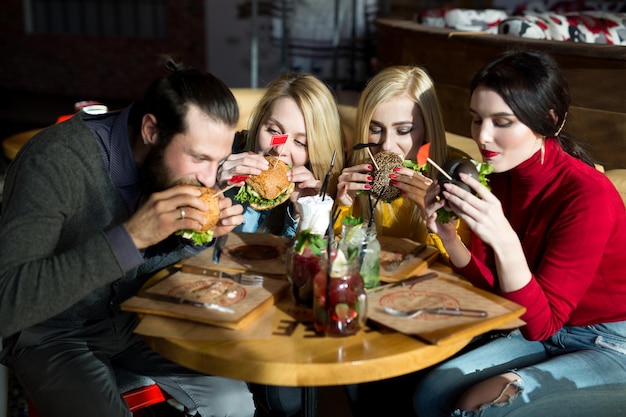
289 214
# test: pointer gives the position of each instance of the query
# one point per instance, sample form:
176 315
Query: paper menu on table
259 253
398 250
440 292
249 303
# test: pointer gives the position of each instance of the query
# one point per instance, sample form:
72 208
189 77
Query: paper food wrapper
438 292
315 213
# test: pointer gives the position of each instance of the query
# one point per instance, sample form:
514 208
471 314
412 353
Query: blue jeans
579 371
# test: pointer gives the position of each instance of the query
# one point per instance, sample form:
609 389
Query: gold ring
182 213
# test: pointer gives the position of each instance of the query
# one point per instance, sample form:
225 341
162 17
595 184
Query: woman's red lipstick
489 154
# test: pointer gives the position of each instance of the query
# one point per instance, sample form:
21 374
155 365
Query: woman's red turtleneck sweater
572 224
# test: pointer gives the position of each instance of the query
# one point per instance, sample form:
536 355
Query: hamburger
205 235
455 167
385 162
268 189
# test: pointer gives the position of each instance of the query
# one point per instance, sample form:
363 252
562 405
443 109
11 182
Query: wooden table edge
193 355
301 375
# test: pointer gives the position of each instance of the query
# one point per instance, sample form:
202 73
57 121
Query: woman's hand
306 185
245 163
351 180
445 231
412 184
482 213
485 217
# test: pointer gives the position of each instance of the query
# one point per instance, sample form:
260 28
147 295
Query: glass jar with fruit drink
339 297
303 263
358 240
309 247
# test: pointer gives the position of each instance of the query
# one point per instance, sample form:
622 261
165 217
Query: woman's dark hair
168 100
533 85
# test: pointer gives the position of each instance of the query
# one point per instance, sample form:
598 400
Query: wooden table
296 356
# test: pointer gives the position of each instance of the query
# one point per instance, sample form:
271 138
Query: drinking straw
372 208
370 222
336 212
327 177
329 244
367 146
220 192
445 174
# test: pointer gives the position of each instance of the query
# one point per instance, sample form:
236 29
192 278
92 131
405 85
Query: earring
561 127
145 141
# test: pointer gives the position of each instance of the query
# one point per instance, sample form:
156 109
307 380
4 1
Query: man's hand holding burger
231 216
181 208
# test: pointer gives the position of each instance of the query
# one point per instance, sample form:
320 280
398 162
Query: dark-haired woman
550 236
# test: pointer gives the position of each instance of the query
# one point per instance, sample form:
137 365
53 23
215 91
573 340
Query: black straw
329 245
372 208
370 222
327 177
365 145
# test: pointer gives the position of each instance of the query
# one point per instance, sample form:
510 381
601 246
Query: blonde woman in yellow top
398 111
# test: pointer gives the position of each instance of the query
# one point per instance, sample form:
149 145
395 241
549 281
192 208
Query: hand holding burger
268 189
453 168
179 207
212 216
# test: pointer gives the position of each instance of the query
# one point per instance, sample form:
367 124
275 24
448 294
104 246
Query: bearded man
90 212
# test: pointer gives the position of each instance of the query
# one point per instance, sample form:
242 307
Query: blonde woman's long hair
388 84
321 118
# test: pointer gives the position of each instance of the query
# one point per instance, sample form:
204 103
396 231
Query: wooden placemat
250 303
441 291
260 253
401 248
167 327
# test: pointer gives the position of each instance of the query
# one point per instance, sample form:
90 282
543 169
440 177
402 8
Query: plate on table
245 302
258 253
440 292
401 258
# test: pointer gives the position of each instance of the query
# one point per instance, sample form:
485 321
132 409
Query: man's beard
155 176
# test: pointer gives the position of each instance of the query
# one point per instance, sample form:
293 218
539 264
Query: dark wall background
95 67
